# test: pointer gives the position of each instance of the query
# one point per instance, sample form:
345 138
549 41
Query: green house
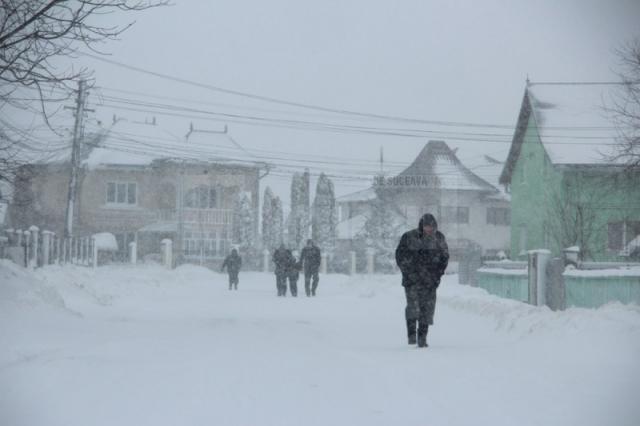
565 189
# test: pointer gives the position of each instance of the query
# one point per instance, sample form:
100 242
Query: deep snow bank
20 286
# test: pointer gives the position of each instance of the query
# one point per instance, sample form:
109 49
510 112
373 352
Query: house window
201 197
620 234
454 214
498 216
122 193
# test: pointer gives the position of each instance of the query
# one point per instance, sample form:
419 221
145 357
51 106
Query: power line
289 103
333 128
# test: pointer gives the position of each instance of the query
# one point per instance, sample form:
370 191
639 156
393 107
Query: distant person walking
310 258
233 263
282 258
293 274
422 256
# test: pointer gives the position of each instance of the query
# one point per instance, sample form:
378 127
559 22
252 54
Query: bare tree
572 216
34 36
625 106
33 33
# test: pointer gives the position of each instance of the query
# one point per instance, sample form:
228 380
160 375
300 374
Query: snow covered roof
362 195
437 160
139 144
572 122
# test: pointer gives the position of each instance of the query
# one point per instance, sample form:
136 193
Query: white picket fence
33 248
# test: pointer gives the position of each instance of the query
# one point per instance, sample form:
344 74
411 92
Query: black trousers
233 280
281 283
293 284
421 307
309 287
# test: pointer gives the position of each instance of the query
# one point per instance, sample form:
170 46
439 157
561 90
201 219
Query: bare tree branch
33 35
625 107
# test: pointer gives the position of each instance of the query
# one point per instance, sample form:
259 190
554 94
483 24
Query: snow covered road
125 345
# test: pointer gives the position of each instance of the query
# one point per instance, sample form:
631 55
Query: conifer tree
324 220
379 232
243 226
278 222
267 219
298 221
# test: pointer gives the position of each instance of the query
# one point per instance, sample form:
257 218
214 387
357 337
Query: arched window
201 197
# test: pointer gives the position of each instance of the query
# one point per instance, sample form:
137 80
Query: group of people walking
422 256
288 269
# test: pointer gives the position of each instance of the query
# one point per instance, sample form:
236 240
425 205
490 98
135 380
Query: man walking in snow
281 258
293 273
422 256
310 258
233 262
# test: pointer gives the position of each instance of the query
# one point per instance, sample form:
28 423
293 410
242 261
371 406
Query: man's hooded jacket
422 258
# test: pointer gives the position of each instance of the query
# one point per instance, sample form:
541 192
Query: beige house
144 184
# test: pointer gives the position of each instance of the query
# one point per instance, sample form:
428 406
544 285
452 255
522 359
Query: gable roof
362 195
572 122
438 161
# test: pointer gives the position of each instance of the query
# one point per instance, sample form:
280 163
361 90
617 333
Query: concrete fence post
19 235
538 260
26 241
370 258
94 252
167 253
133 252
78 248
265 260
352 262
35 246
58 247
46 246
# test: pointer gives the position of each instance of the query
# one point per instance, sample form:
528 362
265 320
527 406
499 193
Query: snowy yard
143 345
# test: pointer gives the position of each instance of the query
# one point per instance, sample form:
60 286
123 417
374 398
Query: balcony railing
197 216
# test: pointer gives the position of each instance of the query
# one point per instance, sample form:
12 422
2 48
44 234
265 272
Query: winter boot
411 331
422 336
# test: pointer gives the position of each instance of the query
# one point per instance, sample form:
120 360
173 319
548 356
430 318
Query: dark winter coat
233 262
310 258
422 258
281 259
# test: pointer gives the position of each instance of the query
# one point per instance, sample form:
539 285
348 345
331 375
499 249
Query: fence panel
592 289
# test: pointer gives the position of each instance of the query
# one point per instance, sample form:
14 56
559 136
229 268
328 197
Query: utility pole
75 155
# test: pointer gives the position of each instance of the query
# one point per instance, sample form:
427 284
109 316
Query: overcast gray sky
461 61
